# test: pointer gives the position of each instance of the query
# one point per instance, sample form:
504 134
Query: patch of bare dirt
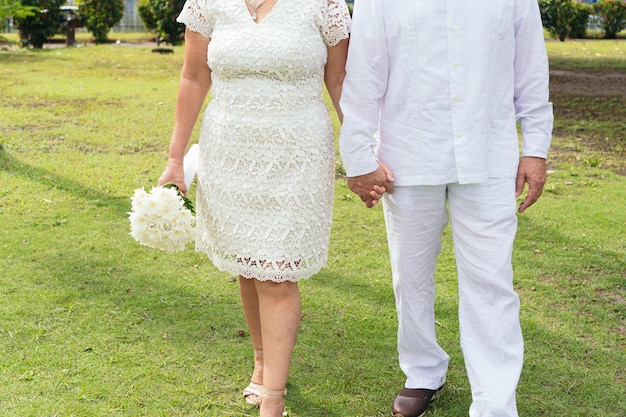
590 110
597 82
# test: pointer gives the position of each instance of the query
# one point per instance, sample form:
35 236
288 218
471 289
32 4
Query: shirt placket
457 90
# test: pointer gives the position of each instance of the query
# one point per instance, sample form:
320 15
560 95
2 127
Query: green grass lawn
587 53
92 324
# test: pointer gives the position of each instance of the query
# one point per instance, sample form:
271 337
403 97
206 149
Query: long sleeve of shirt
434 89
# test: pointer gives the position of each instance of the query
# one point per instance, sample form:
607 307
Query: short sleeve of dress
336 22
195 15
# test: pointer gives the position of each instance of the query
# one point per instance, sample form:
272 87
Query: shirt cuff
536 145
360 163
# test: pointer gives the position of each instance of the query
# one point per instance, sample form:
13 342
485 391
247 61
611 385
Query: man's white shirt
433 89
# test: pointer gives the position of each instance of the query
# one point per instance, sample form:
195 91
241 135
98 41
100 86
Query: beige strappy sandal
276 393
253 394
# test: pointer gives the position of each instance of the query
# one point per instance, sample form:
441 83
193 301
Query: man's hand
371 187
531 170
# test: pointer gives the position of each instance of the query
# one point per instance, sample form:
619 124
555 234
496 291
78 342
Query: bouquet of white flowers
164 217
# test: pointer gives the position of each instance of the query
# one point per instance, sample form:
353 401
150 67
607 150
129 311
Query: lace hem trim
261 273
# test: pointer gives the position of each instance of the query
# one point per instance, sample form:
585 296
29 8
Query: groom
430 102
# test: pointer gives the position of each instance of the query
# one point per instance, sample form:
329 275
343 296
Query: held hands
174 174
371 187
531 170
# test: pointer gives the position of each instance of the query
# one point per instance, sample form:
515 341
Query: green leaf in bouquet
186 201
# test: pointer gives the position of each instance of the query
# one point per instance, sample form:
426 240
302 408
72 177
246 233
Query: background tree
44 22
612 16
13 8
565 18
99 16
580 20
159 16
149 19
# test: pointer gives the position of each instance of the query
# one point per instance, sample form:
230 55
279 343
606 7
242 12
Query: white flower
161 219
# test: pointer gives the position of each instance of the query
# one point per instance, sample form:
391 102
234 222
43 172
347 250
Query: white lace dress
266 177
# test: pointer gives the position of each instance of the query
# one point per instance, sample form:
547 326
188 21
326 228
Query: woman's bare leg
280 311
250 302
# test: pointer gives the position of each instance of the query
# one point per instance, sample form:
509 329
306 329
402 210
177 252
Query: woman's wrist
175 161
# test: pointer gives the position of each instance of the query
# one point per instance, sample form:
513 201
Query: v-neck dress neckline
259 22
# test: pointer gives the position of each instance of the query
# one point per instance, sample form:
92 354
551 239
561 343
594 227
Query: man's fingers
371 187
387 171
531 171
534 192
380 189
519 185
388 176
525 204
376 194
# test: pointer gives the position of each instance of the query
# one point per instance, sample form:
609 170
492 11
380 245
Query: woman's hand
174 174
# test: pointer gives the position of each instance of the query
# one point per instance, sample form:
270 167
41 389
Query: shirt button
459 135
457 98
455 64
454 27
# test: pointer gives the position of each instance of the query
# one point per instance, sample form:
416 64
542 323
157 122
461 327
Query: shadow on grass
569 372
138 316
571 258
572 292
590 63
18 168
14 56
587 286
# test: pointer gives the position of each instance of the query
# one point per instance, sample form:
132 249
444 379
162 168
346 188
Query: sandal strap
254 389
275 393
253 393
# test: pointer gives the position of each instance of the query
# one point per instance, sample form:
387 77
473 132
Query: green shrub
612 16
580 20
144 9
557 16
99 16
45 22
14 8
159 16
565 18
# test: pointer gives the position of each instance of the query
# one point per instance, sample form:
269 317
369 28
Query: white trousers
484 223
